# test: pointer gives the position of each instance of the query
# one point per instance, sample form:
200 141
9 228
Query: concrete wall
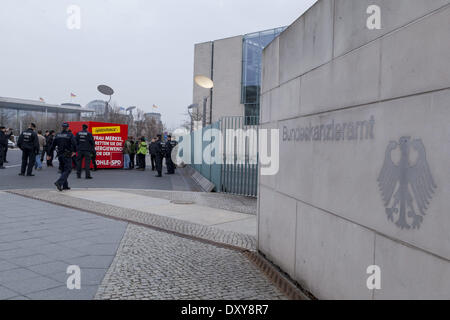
227 76
340 93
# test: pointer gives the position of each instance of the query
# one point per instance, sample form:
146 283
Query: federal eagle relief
406 188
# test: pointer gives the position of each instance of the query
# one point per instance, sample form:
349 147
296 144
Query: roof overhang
30 105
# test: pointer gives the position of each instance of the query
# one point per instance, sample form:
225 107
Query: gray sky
142 48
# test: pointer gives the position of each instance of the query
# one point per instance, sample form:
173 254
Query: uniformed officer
3 146
160 151
170 145
66 146
29 144
85 145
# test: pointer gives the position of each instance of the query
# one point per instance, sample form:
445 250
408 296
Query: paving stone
159 266
31 285
62 293
50 268
33 260
6 293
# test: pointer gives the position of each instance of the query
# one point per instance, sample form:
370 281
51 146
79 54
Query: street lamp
107 91
130 117
206 83
192 106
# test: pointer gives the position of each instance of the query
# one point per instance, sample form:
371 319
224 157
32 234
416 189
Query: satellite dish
105 90
204 82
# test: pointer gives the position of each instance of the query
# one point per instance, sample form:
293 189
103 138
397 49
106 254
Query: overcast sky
142 48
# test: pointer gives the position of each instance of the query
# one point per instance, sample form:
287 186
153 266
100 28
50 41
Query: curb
283 283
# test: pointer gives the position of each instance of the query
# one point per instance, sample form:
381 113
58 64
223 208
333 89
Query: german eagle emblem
406 189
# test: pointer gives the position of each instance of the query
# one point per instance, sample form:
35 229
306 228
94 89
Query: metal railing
239 172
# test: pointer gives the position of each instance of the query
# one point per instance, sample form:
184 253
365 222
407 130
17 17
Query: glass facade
253 45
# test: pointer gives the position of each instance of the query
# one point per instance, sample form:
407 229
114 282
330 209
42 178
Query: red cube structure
109 141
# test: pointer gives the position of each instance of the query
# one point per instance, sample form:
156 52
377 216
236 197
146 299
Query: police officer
66 146
85 145
160 151
3 146
170 145
29 144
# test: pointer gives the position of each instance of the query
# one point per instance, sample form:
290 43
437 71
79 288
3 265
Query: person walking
85 144
40 154
3 146
170 145
126 154
47 133
8 133
132 152
142 153
49 142
29 144
160 152
153 150
66 145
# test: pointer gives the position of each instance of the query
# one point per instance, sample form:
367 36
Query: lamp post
206 83
192 106
130 117
107 91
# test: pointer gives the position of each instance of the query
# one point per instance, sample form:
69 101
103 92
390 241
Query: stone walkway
118 259
38 241
169 224
159 266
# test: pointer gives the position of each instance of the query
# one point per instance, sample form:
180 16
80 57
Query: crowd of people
75 150
135 152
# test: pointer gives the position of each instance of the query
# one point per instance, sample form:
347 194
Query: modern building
234 65
153 115
359 207
98 106
14 111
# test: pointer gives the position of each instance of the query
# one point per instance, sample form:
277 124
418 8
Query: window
253 45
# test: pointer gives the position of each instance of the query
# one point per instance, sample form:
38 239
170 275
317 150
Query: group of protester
158 150
73 151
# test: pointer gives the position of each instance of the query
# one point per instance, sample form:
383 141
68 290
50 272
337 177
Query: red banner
109 141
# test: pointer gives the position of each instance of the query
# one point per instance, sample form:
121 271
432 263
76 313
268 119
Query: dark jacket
169 147
28 140
85 141
160 148
48 142
65 144
3 139
153 148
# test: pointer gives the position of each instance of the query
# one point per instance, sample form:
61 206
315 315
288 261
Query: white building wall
227 73
322 218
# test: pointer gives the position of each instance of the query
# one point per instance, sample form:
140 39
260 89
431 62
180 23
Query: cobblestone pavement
160 266
165 223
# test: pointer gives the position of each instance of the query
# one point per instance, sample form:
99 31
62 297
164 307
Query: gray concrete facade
364 150
225 58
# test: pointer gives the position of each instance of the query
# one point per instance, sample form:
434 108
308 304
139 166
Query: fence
237 172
